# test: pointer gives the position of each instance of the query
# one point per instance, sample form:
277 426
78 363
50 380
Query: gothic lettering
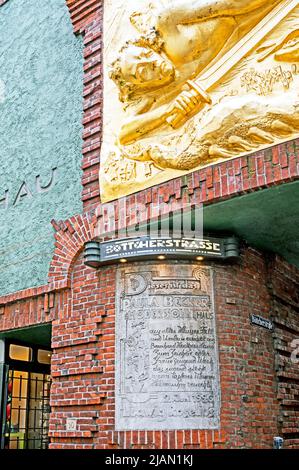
167 360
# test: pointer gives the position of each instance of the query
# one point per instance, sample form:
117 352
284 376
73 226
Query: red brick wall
86 16
83 365
259 384
33 310
249 402
284 289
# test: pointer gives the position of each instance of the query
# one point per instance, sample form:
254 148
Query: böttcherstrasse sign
148 246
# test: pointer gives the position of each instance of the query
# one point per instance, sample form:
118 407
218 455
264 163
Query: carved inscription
263 83
167 361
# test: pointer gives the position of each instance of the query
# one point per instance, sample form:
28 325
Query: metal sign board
260 321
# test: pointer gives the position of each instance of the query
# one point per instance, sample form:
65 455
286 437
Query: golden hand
186 105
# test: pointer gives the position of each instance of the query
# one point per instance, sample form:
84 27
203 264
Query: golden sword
211 77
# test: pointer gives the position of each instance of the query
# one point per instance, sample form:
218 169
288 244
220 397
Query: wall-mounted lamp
92 254
231 246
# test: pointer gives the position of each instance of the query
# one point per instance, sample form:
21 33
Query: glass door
38 411
16 409
27 410
25 407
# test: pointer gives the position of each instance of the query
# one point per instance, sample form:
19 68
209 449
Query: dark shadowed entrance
25 359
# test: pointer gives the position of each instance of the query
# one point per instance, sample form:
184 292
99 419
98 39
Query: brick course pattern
83 365
259 390
284 289
86 16
259 385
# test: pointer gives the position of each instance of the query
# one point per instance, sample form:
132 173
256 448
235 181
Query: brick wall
259 387
284 289
83 361
259 384
83 365
33 310
86 16
249 402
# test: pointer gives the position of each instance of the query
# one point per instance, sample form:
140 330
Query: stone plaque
167 374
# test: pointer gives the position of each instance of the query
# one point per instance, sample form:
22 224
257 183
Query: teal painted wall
41 68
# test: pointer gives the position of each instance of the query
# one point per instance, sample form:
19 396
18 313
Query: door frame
32 366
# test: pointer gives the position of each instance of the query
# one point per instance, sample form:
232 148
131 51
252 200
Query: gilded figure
194 83
176 44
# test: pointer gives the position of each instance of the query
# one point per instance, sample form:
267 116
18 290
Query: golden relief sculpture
191 83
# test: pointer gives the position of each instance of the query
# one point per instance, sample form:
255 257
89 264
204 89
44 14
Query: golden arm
138 126
184 13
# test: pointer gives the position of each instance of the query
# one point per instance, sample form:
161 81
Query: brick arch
83 13
70 237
